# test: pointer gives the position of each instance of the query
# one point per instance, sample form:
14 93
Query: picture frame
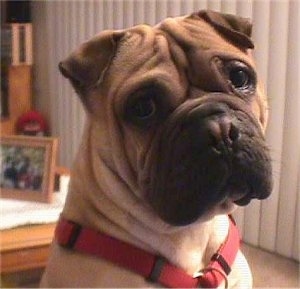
27 169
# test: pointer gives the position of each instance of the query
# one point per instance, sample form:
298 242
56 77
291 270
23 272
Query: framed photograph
27 167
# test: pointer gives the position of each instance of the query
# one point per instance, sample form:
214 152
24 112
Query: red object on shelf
32 123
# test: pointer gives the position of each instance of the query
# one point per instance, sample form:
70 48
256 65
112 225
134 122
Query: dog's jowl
173 143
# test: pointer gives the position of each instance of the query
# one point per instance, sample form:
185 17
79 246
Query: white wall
59 26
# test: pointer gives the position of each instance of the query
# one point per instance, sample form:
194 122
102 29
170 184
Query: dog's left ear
86 66
236 29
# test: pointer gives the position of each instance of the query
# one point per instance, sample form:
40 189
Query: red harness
154 268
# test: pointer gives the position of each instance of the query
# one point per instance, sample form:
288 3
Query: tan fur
104 192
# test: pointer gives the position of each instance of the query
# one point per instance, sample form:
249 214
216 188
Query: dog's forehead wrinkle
189 32
146 62
136 39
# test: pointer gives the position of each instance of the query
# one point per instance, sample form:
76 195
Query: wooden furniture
25 247
19 96
21 43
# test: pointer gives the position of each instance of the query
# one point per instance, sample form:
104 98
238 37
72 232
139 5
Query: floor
269 271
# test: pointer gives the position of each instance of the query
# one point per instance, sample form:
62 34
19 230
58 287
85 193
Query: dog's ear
86 66
236 29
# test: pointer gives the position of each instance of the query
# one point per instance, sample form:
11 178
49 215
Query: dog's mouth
214 155
241 197
243 201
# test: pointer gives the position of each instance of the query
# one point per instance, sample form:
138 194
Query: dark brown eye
147 106
240 78
143 108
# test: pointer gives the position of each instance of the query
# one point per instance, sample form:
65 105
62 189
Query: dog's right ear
234 28
86 66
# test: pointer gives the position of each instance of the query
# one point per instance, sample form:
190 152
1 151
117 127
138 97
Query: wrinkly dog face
184 98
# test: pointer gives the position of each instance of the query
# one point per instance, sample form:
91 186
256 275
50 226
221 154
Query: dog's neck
98 198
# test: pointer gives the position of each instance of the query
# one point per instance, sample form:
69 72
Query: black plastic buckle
223 263
157 269
76 230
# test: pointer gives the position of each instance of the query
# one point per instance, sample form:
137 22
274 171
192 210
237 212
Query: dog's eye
143 108
147 106
239 78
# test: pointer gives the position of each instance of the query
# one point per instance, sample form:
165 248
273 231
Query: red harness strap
154 268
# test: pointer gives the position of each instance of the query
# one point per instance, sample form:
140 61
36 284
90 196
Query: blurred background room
269 229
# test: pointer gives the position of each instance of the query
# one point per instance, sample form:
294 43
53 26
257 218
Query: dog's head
182 102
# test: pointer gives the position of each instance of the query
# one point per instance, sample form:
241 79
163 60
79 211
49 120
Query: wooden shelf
25 247
20 96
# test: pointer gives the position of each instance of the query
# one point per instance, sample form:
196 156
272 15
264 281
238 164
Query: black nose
213 125
221 132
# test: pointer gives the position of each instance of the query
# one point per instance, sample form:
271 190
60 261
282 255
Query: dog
173 143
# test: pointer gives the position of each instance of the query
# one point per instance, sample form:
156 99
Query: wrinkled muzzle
209 152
